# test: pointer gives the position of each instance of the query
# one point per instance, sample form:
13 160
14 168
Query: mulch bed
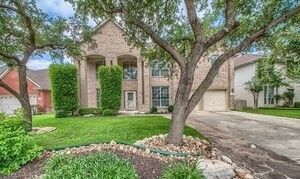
146 167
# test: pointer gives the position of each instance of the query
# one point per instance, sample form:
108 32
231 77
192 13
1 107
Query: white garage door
9 104
214 101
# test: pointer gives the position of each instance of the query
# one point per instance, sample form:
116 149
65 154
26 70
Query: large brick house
38 89
144 85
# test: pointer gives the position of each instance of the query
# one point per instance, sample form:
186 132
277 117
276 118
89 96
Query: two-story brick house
144 85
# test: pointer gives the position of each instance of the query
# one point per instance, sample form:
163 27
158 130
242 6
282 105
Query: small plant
182 171
108 112
297 104
98 165
153 109
61 114
289 97
86 111
277 98
170 108
16 147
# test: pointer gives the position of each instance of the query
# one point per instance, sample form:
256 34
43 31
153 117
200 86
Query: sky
52 8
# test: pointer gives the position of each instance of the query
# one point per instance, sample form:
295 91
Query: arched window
130 69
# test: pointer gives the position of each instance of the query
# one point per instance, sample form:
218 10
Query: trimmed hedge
64 88
297 104
109 112
16 147
86 111
111 87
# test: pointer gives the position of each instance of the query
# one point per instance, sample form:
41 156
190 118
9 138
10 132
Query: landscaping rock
226 159
215 169
88 115
243 173
252 146
41 130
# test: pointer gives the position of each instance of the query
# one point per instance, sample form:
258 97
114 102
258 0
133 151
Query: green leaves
16 147
64 87
111 87
98 165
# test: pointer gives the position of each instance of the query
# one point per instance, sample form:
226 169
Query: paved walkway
277 154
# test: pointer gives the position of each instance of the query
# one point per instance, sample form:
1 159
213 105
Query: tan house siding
111 46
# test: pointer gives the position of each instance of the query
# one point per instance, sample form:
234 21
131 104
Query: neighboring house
38 89
144 85
245 68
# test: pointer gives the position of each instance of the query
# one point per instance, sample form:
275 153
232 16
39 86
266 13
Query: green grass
75 131
182 171
89 167
292 113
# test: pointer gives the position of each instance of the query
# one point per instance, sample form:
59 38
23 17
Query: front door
130 100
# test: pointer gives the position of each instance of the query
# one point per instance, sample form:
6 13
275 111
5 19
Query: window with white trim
160 69
160 96
130 69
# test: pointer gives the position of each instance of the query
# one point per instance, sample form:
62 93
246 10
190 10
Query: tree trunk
25 103
179 115
255 98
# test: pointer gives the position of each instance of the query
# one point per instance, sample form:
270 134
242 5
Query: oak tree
25 31
186 30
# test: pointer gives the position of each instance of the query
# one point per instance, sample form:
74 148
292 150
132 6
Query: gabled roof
246 59
39 77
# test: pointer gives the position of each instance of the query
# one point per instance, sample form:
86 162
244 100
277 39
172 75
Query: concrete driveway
277 140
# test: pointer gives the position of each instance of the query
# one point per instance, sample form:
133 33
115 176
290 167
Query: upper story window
98 64
129 69
213 58
160 69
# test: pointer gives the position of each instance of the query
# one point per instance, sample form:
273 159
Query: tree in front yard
26 31
64 88
111 87
188 30
255 86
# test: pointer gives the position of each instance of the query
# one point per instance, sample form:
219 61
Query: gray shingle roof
41 77
246 59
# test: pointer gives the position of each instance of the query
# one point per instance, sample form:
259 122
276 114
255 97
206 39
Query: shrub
153 109
109 112
98 165
16 147
297 104
85 111
64 88
182 171
60 114
111 87
289 97
170 108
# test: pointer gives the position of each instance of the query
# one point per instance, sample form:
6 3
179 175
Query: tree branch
230 24
159 41
9 8
12 57
257 36
31 32
193 20
10 90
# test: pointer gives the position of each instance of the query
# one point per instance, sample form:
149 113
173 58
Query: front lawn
75 131
292 113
